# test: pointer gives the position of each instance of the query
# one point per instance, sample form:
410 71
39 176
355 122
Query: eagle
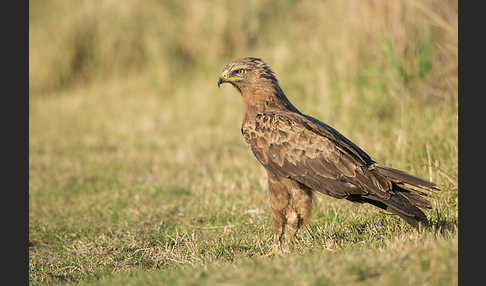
302 154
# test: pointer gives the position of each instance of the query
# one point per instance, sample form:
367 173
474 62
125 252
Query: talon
276 250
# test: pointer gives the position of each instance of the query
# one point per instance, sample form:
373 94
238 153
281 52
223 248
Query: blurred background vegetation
317 45
136 159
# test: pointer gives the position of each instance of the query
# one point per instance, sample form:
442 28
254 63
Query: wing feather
293 146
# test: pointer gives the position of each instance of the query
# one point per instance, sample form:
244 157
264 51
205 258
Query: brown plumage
301 154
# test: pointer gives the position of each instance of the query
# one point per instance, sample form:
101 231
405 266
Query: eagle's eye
239 72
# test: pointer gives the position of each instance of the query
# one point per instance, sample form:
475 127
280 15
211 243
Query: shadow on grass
354 232
443 225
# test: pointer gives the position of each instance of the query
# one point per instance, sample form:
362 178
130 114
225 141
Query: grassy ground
138 171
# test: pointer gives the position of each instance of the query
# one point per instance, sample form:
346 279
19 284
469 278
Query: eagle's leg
291 205
279 201
299 213
278 229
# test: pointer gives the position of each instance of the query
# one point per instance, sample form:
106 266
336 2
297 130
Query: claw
276 250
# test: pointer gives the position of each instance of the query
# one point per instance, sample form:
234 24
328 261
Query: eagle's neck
265 97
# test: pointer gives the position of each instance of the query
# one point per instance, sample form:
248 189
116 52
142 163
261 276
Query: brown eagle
302 154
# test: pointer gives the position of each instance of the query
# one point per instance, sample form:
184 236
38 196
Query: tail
407 196
401 177
401 206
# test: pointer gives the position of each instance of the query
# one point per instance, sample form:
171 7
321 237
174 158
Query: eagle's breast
268 134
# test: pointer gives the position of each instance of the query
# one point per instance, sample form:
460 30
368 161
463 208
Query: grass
138 171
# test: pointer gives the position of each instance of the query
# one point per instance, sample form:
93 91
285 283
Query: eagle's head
257 84
247 71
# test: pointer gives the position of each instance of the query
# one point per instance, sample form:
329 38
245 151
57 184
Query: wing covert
290 145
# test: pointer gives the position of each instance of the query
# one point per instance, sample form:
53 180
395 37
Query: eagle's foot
277 250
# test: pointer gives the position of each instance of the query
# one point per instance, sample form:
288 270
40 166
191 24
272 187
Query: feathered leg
298 213
291 205
279 201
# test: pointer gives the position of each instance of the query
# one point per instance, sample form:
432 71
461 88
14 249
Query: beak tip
220 81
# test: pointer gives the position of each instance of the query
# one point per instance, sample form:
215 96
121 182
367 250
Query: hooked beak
225 77
221 80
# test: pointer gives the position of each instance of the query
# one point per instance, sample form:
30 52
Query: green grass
139 175
127 188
